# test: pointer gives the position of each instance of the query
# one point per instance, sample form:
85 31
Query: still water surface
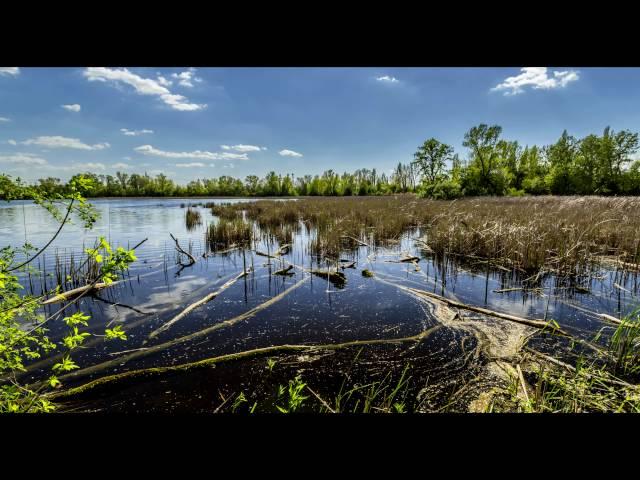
315 312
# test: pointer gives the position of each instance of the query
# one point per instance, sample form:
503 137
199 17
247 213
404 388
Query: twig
195 305
181 250
321 400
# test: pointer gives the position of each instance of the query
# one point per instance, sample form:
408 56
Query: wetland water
449 367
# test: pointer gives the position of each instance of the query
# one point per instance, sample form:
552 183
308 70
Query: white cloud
387 79
23 159
14 71
72 108
231 156
121 165
537 78
134 133
164 82
150 150
64 142
128 159
11 141
4 119
242 148
197 154
189 165
185 78
289 153
87 166
142 86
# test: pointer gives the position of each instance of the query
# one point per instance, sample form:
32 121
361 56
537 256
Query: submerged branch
181 250
195 305
236 356
163 346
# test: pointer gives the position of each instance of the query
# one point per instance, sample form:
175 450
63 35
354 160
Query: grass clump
226 233
193 218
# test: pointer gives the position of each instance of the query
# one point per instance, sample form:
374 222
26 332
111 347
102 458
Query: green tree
483 175
431 159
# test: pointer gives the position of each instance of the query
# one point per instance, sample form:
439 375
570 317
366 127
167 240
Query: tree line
596 164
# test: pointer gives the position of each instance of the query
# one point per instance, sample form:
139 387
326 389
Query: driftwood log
195 305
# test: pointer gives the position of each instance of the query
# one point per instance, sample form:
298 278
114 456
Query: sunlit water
317 312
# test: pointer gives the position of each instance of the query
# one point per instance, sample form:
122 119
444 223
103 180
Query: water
316 312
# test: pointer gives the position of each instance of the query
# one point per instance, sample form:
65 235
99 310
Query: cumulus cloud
186 78
134 133
64 142
164 82
11 141
387 79
87 166
243 148
536 78
189 165
197 154
289 153
121 165
13 71
72 108
4 119
22 159
142 86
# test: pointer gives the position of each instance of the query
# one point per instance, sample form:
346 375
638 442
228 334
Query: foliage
595 164
22 327
441 190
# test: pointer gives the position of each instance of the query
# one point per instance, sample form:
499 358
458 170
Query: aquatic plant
563 235
193 218
225 233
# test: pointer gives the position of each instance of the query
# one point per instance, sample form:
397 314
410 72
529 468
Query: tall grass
564 235
226 233
193 218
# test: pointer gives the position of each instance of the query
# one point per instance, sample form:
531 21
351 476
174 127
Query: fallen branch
181 250
348 265
337 278
230 357
116 304
425 245
262 254
163 346
573 369
359 242
522 383
512 318
220 252
321 400
617 321
284 271
195 305
61 297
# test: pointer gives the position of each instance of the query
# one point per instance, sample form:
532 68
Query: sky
205 122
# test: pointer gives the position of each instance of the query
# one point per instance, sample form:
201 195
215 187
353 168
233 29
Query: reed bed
193 218
226 233
566 235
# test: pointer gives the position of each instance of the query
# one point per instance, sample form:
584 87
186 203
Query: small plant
270 364
295 397
240 399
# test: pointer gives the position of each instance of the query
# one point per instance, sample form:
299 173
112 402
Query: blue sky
204 122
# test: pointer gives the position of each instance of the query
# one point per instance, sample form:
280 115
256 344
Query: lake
361 312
